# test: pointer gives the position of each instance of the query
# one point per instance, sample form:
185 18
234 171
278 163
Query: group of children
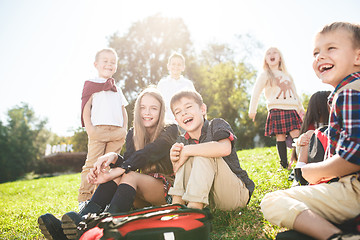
200 168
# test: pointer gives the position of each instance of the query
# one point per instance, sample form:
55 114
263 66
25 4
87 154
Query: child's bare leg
196 205
312 224
177 200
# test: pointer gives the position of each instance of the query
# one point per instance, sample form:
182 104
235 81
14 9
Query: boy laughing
207 168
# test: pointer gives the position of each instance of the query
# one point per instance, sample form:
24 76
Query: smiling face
176 66
273 58
189 115
335 56
150 109
106 64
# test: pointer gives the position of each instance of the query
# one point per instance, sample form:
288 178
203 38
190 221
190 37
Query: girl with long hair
283 103
141 178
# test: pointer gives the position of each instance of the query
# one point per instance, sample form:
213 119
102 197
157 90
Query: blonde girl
283 103
141 178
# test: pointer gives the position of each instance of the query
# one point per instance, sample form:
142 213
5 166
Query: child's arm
212 149
335 166
125 117
87 117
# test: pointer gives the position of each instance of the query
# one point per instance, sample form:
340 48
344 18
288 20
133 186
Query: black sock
281 147
104 193
123 199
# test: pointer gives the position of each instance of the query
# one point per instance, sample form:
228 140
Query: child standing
283 103
173 83
148 146
205 161
103 115
313 210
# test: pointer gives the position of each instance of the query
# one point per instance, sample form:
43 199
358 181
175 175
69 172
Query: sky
47 47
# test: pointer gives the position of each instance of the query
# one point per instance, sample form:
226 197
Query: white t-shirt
106 106
168 87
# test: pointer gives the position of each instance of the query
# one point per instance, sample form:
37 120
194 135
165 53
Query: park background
47 50
48 47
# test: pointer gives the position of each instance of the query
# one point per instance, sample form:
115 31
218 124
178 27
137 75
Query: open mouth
147 118
188 120
272 59
325 67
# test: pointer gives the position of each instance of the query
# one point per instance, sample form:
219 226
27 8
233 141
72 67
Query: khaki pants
336 202
210 181
104 139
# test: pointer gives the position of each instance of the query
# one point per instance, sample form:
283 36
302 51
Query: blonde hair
353 29
110 50
141 136
176 55
270 75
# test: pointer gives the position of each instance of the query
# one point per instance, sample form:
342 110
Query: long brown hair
270 75
141 136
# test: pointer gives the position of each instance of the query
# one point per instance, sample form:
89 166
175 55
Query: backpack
167 222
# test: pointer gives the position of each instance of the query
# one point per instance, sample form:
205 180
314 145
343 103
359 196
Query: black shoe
50 227
71 220
69 225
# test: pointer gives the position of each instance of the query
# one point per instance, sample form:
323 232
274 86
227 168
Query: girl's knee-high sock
123 199
281 147
104 193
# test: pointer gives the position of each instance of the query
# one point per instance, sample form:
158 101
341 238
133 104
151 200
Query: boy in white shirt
103 115
174 83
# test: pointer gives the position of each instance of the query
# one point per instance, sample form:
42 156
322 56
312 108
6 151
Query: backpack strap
355 85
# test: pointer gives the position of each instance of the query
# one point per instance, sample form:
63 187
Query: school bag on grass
168 222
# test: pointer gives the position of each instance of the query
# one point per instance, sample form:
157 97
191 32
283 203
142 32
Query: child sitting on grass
313 210
205 161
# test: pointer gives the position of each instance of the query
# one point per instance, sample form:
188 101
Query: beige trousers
336 202
104 139
210 181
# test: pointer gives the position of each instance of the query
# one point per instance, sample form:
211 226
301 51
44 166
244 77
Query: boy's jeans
210 181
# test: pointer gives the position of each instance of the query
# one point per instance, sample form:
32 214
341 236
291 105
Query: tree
144 50
80 140
22 142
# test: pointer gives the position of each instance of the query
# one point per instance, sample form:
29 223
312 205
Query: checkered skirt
282 122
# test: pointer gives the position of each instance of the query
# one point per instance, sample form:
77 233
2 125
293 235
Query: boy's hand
178 156
175 152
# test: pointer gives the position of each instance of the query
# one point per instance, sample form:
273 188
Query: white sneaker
82 205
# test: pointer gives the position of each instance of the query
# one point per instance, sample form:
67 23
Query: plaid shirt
344 122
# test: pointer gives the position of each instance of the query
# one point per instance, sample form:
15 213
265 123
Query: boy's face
335 56
106 64
176 66
189 115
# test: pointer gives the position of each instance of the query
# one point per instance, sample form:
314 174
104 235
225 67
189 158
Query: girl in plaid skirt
283 103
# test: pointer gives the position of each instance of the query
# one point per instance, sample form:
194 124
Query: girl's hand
252 116
304 138
104 161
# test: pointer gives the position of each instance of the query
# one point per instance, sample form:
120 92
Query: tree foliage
143 51
22 142
79 140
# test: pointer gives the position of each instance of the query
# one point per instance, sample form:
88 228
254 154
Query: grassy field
22 202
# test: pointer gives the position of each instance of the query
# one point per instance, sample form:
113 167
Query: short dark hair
187 94
352 28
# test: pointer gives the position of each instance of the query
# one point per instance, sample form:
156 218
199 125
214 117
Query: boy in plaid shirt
313 210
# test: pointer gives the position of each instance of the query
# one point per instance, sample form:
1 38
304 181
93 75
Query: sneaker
82 205
50 227
347 236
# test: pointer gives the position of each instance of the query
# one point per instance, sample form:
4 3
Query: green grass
22 202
